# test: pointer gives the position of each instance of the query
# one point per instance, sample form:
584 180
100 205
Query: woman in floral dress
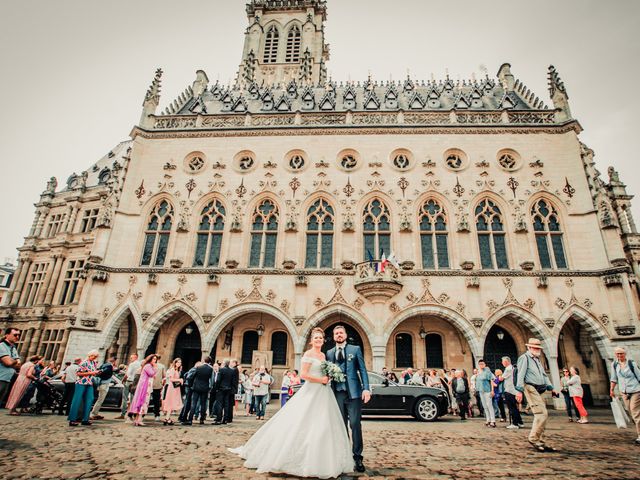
141 398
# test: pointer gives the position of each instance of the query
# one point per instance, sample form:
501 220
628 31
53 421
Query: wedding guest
235 387
533 382
474 391
261 383
385 372
49 371
9 360
26 375
564 383
69 379
625 373
418 377
188 388
25 401
510 393
224 389
103 381
484 386
392 377
213 391
460 389
576 393
498 398
247 387
140 402
284 388
156 394
433 380
172 398
83 391
201 385
407 375
132 370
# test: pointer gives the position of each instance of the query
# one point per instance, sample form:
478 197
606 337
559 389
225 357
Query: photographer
261 383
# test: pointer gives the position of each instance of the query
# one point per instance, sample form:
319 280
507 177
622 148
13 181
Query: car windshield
376 379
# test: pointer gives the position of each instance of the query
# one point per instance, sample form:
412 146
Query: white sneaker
156 419
513 427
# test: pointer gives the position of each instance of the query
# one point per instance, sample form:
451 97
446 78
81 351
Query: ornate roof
254 5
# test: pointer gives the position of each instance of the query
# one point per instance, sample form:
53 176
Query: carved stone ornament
604 319
231 264
549 322
145 316
347 265
527 265
407 265
473 282
289 264
529 303
301 281
560 303
213 279
467 265
298 320
208 317
152 278
394 307
358 303
477 322
89 322
542 281
612 280
175 263
100 276
626 331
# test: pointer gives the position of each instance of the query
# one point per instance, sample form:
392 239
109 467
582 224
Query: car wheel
426 409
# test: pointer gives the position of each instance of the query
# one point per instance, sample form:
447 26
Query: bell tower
285 41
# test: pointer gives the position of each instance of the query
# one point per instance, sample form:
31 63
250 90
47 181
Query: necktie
340 356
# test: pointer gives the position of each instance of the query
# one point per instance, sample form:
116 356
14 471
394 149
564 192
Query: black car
113 401
389 398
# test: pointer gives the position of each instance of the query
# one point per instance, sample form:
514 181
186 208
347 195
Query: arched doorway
356 335
353 337
124 342
188 346
499 343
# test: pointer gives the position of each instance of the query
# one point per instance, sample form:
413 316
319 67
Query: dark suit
212 394
462 397
224 388
349 394
232 397
201 385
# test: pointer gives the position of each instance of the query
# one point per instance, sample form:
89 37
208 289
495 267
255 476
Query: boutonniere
350 357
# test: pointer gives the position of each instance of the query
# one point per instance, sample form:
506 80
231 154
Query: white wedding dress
306 438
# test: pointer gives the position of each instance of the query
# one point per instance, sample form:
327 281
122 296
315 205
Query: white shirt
134 367
509 386
70 373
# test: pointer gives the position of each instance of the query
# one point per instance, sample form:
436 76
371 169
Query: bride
307 437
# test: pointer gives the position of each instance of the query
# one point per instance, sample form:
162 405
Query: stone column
53 282
35 341
558 403
34 225
298 361
28 335
379 353
63 347
17 290
41 219
6 300
71 221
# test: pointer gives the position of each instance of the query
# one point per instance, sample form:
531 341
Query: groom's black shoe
359 465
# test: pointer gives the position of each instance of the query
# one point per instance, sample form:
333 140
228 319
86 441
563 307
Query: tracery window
377 229
279 342
404 350
271 45
320 226
294 40
491 236
433 236
157 235
264 236
546 226
209 239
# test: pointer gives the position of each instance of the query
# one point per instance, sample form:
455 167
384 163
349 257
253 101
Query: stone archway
121 334
499 343
171 319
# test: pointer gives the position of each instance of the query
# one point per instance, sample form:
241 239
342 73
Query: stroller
46 398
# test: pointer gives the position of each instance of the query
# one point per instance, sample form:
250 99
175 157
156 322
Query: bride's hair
318 331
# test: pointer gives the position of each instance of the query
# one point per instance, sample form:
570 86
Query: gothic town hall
238 217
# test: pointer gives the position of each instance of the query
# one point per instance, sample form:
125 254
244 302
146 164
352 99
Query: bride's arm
308 378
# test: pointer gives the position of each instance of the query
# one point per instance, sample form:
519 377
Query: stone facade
244 216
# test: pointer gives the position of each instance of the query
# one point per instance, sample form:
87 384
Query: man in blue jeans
83 392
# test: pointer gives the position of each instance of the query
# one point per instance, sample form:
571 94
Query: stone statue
52 184
614 176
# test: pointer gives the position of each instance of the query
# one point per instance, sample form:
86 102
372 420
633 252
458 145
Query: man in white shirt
133 369
69 379
510 393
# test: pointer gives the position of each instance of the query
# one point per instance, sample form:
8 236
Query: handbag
176 384
539 388
239 397
618 413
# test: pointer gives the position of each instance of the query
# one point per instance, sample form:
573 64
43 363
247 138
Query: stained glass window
433 236
491 236
209 236
264 236
320 225
546 226
157 235
377 229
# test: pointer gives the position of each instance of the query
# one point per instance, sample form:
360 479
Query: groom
350 394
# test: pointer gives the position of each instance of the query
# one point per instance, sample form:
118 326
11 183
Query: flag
370 258
393 260
383 263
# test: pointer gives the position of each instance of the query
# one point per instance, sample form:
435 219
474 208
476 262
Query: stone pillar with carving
63 347
71 219
34 225
17 290
41 219
6 300
59 260
35 341
27 336
379 353
558 403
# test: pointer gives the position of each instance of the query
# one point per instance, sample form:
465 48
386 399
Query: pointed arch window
376 229
250 340
546 226
264 236
209 237
433 236
404 350
271 45
491 236
157 235
294 39
279 341
435 357
320 228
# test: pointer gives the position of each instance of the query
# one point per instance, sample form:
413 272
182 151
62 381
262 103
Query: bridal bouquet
333 371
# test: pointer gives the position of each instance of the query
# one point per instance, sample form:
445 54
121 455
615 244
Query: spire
558 95
151 99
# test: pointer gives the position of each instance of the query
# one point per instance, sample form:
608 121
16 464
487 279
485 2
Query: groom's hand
366 396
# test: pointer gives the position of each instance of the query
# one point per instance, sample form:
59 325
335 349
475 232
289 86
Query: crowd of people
217 390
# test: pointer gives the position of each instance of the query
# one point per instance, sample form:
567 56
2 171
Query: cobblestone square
397 448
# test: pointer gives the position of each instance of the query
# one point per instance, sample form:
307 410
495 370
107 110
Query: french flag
383 263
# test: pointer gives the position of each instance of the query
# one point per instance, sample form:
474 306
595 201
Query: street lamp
260 327
500 334
423 332
188 330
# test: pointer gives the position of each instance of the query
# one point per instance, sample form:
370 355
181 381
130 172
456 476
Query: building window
433 343
209 240
50 343
293 45
491 236
433 236
271 45
320 224
156 239
546 226
377 229
279 342
89 219
55 224
38 272
71 282
404 350
264 236
249 345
